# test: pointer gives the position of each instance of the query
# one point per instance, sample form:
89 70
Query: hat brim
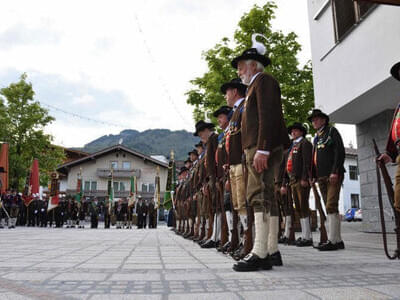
301 128
232 85
204 126
318 115
265 61
395 70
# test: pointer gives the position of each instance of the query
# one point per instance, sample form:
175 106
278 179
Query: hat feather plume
257 45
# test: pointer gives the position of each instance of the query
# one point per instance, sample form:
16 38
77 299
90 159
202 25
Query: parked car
349 215
358 215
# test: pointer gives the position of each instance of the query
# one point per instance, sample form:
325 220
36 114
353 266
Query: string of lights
57 109
160 79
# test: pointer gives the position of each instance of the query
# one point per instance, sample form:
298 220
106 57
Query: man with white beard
264 138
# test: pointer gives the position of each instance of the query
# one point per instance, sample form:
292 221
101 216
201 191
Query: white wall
360 62
89 169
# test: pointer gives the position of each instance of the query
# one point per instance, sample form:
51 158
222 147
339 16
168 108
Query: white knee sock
229 221
243 220
307 229
260 246
272 244
288 225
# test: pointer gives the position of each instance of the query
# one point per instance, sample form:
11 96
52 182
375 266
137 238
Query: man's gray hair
259 66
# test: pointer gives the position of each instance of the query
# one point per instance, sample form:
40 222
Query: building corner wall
376 127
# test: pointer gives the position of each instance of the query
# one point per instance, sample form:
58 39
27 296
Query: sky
104 66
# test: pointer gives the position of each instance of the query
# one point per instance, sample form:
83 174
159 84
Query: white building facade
95 171
354 45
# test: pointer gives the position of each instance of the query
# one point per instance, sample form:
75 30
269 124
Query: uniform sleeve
268 105
307 158
338 152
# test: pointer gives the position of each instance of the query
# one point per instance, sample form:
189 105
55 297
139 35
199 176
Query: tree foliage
22 122
295 81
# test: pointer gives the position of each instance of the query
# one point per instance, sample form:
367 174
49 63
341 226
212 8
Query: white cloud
84 100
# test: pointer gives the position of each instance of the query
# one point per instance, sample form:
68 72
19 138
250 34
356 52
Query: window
122 187
355 200
346 14
86 186
151 187
144 187
94 185
114 165
353 172
115 185
126 165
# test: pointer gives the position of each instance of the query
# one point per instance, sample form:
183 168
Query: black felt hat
395 71
252 54
318 113
194 151
223 110
199 144
201 125
235 83
298 126
183 169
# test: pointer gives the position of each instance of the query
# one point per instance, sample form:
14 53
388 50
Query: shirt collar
253 78
237 103
298 140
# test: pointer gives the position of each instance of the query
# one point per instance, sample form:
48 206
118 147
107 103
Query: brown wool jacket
235 136
301 158
263 125
211 166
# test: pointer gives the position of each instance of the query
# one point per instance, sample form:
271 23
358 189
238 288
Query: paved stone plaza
37 263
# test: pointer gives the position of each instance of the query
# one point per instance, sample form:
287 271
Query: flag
110 192
167 200
171 184
33 185
54 192
53 202
157 192
132 195
5 168
79 192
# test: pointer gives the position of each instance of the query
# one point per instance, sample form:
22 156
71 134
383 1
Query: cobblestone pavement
37 263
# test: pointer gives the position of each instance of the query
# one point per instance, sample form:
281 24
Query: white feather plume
256 44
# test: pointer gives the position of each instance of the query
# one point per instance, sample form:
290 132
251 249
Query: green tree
24 121
295 81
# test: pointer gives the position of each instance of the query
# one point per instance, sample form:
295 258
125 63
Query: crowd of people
236 184
70 213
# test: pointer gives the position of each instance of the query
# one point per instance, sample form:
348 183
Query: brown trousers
301 196
260 186
330 193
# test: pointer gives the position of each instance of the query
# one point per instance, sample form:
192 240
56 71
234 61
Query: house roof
63 168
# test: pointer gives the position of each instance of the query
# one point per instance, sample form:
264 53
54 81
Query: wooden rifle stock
381 168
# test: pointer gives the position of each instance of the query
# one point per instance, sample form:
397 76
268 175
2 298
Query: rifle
322 229
381 168
224 224
292 235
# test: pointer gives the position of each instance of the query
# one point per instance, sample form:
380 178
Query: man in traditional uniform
392 145
210 139
94 213
327 169
234 92
223 116
297 169
264 137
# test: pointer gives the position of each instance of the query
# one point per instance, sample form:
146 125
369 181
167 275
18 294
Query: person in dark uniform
82 213
94 213
119 212
107 217
43 213
327 168
151 209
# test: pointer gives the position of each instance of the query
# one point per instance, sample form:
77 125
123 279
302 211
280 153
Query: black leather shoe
304 243
340 245
283 240
252 263
328 246
275 259
209 244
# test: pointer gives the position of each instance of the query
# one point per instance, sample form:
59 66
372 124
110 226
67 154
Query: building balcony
118 173
117 194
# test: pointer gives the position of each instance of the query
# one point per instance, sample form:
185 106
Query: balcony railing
118 173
